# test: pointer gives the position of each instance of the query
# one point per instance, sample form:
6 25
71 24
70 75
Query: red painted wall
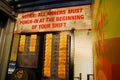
106 39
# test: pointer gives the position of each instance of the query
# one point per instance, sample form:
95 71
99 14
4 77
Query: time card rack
56 57
28 51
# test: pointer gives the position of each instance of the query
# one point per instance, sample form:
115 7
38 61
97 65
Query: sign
54 19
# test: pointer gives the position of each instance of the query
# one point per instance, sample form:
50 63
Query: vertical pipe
80 76
6 48
72 47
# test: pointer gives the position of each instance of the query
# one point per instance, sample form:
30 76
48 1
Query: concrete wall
83 58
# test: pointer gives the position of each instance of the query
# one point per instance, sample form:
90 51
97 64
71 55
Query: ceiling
30 5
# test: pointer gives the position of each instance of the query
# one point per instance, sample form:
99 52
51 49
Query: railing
80 77
89 77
